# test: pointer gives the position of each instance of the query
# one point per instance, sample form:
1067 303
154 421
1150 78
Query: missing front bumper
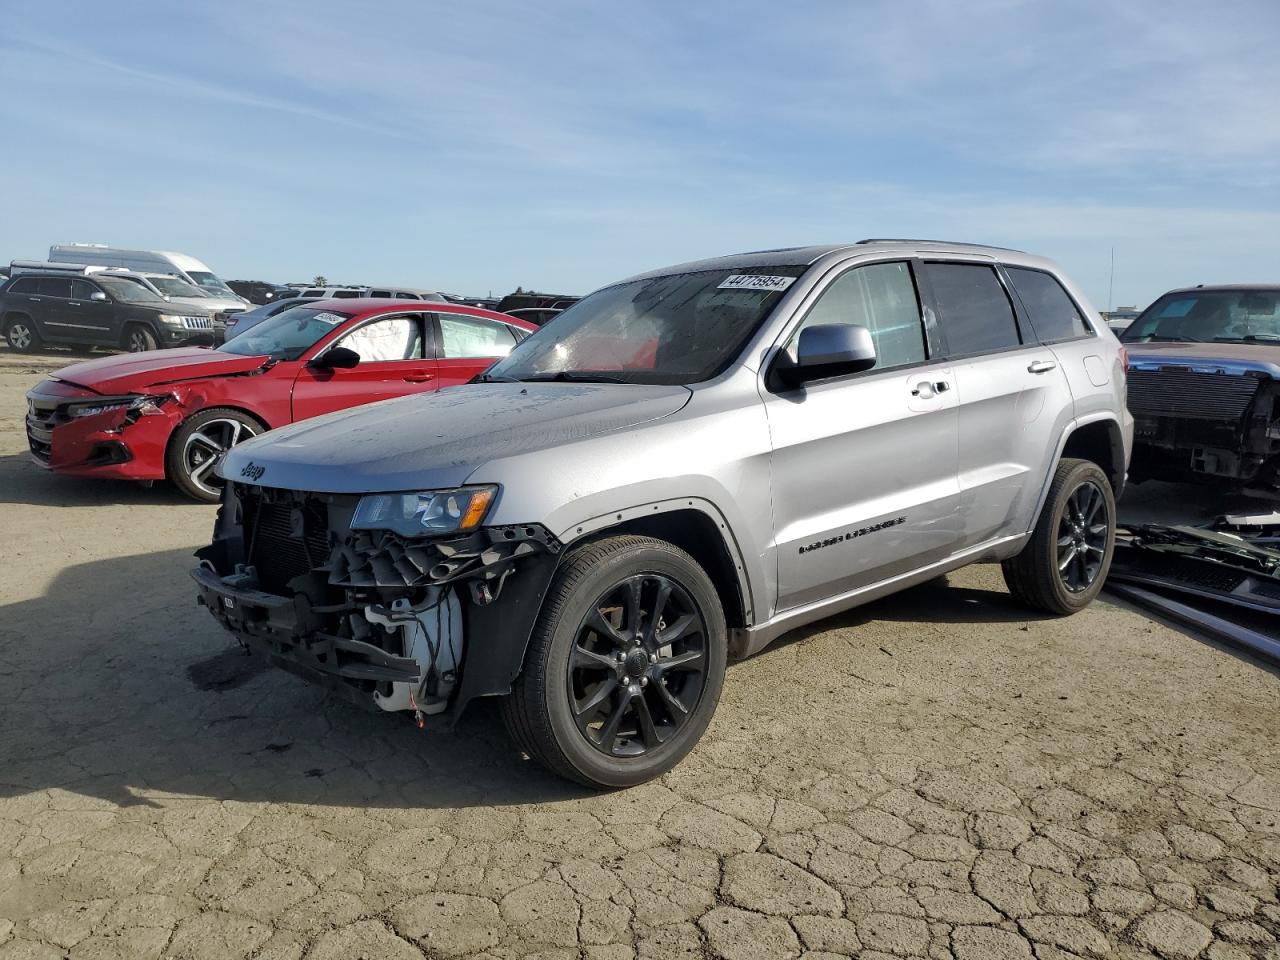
291 581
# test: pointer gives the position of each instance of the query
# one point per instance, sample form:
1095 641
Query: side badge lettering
850 535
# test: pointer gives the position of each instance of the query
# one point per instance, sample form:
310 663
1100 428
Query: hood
208 305
437 440
1224 357
132 372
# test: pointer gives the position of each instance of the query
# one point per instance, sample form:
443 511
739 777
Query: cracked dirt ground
933 776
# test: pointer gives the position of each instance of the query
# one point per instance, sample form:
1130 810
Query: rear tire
624 667
1064 564
197 446
20 333
139 339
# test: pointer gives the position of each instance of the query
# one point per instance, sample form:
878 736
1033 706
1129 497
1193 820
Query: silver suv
677 470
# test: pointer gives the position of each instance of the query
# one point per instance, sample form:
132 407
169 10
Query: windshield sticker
329 318
751 281
1177 308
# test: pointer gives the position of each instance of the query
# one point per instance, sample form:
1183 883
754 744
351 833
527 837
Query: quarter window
388 338
24 285
1053 313
462 336
882 298
975 312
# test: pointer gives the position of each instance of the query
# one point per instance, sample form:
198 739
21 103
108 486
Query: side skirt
748 641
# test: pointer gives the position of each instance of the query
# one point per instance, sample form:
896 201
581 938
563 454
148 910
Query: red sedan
173 413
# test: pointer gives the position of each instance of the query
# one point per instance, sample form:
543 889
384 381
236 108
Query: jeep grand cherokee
680 468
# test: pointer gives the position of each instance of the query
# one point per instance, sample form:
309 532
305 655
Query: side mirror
98 295
828 350
336 358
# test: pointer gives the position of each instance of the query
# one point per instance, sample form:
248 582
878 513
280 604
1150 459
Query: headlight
426 513
144 404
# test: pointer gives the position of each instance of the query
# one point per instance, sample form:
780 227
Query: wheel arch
508 623
698 528
1099 439
178 424
148 325
1102 442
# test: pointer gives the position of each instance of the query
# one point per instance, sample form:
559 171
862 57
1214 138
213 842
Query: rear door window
55 287
1053 313
463 336
974 311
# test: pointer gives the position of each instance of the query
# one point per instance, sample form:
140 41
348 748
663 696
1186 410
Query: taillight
1124 359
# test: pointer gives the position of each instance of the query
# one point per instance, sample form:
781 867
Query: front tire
20 333
1064 564
199 444
625 664
139 339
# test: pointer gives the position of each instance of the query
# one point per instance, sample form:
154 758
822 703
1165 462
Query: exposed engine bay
388 621
1193 422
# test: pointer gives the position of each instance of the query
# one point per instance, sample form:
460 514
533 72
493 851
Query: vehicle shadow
936 601
22 481
117 686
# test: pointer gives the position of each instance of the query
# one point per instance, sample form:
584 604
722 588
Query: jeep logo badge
252 471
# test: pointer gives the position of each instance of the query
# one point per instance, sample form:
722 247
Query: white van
145 261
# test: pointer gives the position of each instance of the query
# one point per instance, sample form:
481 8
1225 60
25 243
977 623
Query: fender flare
1103 416
576 532
498 634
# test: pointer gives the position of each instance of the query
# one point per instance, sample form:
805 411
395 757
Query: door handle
1042 366
420 378
33 299
926 389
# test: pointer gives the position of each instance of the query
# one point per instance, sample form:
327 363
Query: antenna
1111 286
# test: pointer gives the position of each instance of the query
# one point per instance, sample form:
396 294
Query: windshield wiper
573 376
492 378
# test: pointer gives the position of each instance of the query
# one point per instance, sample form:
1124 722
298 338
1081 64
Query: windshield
287 335
1208 316
130 291
173 287
678 328
207 281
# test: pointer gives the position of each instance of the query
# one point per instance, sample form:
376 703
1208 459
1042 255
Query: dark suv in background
95 311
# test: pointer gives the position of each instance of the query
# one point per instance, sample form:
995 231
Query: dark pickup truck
1204 387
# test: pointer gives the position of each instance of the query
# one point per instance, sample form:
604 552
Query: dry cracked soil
938 775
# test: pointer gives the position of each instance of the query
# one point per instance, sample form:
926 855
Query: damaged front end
1205 421
386 619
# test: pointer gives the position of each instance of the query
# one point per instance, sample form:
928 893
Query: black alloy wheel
1083 534
1064 563
624 668
638 665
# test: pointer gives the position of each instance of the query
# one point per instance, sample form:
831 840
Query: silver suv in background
681 468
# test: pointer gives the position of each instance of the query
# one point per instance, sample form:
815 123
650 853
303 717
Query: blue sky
475 145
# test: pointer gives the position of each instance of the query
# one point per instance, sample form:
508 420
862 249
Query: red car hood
132 372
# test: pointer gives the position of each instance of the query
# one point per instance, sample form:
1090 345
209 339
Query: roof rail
940 243
54 266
